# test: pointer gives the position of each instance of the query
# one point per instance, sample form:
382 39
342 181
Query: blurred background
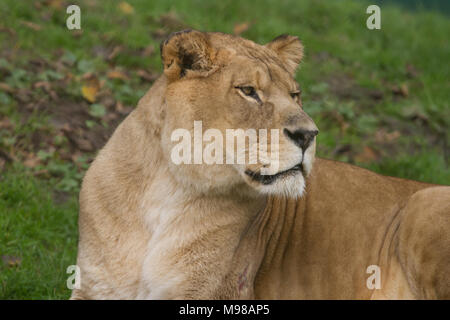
379 97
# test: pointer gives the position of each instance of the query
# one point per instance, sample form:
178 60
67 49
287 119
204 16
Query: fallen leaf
381 136
110 117
53 95
66 128
31 161
148 51
367 155
42 173
31 25
241 28
122 109
171 21
401 90
6 87
8 30
116 74
90 89
23 95
74 157
6 124
77 33
38 5
88 76
160 33
114 52
344 125
119 107
83 144
89 93
150 77
91 3
126 8
411 71
342 149
42 84
55 4
11 261
69 76
404 90
108 101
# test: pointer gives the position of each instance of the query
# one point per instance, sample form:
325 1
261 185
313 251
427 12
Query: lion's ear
289 49
187 53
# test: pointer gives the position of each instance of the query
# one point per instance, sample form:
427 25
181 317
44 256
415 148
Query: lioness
152 229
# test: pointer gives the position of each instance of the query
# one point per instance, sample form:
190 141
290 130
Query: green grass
411 167
40 233
345 66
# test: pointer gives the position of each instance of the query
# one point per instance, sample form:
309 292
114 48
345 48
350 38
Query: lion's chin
290 183
291 186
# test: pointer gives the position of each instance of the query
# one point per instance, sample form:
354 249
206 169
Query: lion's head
217 83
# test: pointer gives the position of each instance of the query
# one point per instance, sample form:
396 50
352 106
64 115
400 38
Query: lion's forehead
251 69
263 73
255 53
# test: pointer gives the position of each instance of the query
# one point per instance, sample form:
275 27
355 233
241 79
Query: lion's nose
301 138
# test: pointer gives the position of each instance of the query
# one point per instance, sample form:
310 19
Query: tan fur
150 229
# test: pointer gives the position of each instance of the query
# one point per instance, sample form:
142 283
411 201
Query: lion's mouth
268 179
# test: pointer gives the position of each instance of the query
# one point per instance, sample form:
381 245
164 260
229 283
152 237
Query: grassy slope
39 233
345 66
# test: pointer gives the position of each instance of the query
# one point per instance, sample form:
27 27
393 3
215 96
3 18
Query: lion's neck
168 204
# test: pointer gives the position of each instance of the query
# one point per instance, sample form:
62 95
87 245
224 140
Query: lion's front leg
213 281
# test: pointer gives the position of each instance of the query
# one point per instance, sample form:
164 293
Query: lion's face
240 109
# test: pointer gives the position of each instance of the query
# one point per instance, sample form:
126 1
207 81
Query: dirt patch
344 87
385 140
72 120
61 197
56 117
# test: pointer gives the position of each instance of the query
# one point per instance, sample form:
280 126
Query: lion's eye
296 96
250 92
